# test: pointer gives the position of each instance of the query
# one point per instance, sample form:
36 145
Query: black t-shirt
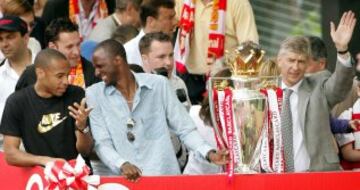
43 124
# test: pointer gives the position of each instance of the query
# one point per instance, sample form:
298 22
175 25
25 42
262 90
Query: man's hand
220 157
341 35
80 113
354 124
130 172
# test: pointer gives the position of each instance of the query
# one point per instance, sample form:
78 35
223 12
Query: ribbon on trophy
218 130
271 156
70 175
246 112
229 127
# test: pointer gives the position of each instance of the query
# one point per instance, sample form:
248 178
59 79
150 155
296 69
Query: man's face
54 77
160 55
134 17
166 21
29 18
12 43
69 45
292 67
106 66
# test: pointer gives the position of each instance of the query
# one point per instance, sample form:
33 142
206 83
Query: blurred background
277 19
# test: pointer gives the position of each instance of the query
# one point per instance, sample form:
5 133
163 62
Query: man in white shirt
14 39
312 97
155 16
24 10
13 44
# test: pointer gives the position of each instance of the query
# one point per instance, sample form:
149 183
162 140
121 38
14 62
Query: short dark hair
145 42
318 48
151 8
44 57
113 48
58 26
124 33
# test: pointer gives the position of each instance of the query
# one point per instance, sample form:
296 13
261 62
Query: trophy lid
245 60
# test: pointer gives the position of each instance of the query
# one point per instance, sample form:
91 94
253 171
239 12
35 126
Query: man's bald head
44 58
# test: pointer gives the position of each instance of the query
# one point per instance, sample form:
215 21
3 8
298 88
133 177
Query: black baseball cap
13 24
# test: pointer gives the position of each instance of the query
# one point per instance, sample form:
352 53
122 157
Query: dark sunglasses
130 125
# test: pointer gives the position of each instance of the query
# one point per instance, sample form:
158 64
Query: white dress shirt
133 55
301 156
8 80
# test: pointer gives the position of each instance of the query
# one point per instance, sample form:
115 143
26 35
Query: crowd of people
99 78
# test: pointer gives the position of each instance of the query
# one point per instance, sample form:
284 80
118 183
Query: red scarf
76 76
186 27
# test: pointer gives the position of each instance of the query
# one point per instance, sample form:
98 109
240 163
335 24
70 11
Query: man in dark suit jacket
63 36
313 147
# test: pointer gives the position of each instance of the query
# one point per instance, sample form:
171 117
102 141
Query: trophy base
245 169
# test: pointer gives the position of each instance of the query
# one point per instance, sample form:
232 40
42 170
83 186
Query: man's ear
52 45
150 22
144 58
27 38
40 73
146 66
322 63
118 60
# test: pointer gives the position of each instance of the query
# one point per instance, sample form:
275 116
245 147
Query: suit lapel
304 97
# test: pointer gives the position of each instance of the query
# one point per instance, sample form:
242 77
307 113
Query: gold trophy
241 131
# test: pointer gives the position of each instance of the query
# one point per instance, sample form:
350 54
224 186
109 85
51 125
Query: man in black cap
13 44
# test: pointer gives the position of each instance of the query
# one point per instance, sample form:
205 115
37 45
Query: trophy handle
220 141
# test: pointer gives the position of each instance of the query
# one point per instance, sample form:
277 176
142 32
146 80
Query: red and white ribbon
72 175
229 126
272 157
218 126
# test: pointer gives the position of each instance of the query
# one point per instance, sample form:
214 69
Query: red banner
17 178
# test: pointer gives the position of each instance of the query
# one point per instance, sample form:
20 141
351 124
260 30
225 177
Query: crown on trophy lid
245 60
